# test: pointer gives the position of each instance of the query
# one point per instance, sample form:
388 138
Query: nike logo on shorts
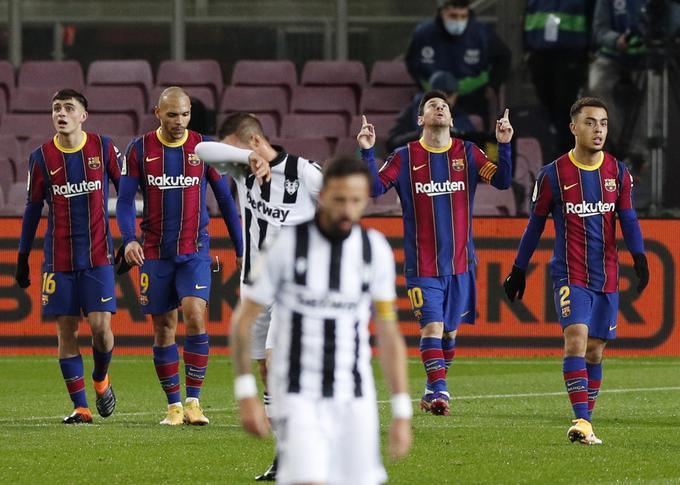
200 287
104 300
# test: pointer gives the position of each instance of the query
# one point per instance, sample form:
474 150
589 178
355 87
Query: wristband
244 386
401 406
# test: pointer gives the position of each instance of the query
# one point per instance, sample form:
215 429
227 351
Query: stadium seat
490 201
529 160
347 146
7 81
391 73
316 149
265 73
16 200
110 124
25 150
270 124
53 75
271 100
6 176
203 93
382 123
334 73
126 100
121 73
26 125
324 100
313 126
148 122
205 73
9 150
381 100
386 205
29 99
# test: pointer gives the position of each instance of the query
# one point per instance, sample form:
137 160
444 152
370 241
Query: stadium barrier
647 324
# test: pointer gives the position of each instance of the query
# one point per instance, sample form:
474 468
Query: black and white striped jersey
323 291
289 198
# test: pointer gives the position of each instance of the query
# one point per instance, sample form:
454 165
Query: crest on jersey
143 299
45 300
418 314
457 164
94 162
291 186
566 311
610 185
193 159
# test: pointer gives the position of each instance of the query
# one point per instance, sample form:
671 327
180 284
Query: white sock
269 411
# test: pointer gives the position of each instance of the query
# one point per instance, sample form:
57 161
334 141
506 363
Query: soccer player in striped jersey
287 199
174 250
584 190
71 172
324 276
436 178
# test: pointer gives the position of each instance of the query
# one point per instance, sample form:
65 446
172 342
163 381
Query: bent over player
436 178
324 275
287 199
72 173
174 252
583 190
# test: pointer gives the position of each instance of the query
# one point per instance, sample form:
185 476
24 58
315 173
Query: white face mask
455 27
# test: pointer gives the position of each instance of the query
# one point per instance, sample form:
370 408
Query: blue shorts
576 304
164 282
68 293
449 299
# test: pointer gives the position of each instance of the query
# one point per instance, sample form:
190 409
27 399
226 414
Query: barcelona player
71 172
436 178
584 190
174 250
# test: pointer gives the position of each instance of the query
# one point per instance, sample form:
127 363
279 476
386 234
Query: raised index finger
506 114
363 120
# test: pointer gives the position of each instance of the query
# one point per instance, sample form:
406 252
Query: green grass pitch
508 425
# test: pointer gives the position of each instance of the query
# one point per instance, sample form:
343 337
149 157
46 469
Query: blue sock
72 370
166 360
101 364
594 383
196 348
576 381
433 359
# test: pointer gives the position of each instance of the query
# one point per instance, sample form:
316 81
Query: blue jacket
476 58
609 22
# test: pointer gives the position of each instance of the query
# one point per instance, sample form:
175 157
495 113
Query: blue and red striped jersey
583 201
75 184
175 221
437 189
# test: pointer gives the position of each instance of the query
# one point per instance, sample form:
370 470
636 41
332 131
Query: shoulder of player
378 241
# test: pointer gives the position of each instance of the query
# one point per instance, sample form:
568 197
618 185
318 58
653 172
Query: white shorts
258 334
328 441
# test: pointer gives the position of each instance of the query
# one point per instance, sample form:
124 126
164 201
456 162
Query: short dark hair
68 93
581 103
428 96
454 3
240 124
344 166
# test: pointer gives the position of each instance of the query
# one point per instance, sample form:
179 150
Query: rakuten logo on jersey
165 182
439 188
587 209
73 190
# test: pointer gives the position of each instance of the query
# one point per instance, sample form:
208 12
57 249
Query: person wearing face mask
454 41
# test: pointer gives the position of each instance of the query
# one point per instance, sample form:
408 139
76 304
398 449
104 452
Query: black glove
641 270
22 271
123 267
515 283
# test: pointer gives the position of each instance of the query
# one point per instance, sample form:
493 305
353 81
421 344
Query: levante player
71 172
584 190
436 178
174 250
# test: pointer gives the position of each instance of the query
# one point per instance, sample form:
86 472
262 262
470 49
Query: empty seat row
203 76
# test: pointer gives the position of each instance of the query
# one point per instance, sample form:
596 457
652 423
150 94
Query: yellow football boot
193 414
175 416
